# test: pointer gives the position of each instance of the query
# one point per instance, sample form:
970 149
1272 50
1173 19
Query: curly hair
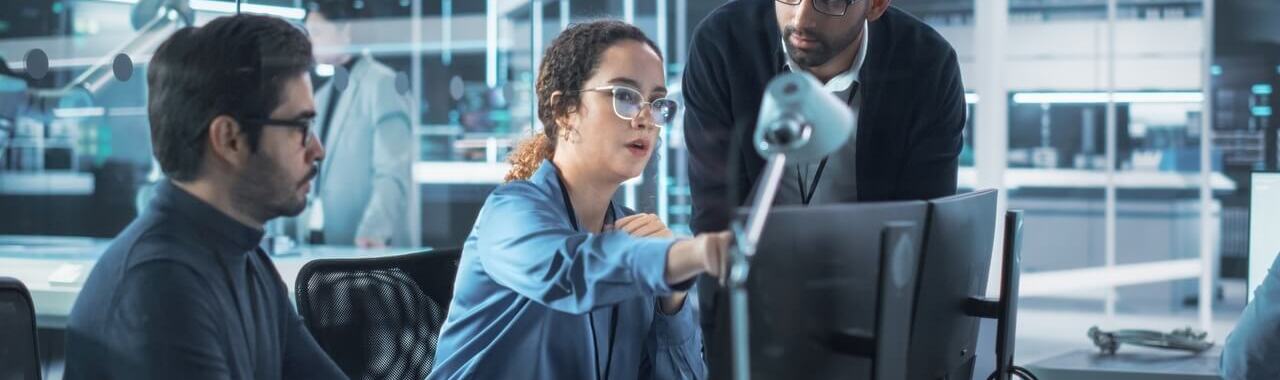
570 59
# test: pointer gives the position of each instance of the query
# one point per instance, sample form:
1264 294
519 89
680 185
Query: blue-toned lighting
1262 111
229 6
324 70
1216 70
1101 97
1262 89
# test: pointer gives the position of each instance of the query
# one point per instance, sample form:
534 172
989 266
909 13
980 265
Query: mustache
315 170
789 30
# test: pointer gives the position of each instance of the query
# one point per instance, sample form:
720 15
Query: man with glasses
899 76
185 291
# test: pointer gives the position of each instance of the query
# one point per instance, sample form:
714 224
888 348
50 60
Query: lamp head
801 119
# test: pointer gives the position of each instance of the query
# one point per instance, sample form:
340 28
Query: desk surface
1130 363
54 268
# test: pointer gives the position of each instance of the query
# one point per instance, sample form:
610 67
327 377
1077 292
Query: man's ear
878 7
227 143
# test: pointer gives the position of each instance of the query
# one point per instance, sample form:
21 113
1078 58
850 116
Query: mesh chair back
379 318
19 355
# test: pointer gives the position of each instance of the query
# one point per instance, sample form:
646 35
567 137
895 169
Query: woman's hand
643 225
706 253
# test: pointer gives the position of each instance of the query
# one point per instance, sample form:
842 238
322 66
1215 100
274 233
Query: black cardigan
910 126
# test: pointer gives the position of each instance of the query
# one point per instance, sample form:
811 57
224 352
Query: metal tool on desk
1185 339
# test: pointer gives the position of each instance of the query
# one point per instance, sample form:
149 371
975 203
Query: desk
54 268
1130 363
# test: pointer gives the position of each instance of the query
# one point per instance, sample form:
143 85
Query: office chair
19 352
379 318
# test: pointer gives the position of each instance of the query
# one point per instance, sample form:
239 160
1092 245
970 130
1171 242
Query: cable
1024 373
1020 372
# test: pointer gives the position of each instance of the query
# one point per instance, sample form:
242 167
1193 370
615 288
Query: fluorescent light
1261 111
1101 97
66 113
82 112
324 70
230 7
1261 89
970 98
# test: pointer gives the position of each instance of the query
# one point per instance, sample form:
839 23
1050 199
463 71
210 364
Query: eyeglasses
304 125
627 103
826 7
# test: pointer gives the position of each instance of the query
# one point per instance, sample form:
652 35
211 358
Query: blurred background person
363 195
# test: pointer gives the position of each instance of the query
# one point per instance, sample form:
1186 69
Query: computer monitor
1073 129
954 266
1264 220
816 271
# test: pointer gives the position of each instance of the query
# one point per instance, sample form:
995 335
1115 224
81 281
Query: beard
265 189
826 48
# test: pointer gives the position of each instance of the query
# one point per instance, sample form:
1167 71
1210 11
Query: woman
556 281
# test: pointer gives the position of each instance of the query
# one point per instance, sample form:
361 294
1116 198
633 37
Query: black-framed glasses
628 102
826 7
304 125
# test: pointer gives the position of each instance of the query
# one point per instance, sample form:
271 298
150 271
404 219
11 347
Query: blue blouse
1252 350
530 286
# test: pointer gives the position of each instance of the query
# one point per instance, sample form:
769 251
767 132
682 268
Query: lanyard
813 187
591 320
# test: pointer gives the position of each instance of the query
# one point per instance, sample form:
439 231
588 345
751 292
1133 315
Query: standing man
364 194
899 76
185 291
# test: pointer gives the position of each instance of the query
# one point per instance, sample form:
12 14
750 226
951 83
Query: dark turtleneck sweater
185 292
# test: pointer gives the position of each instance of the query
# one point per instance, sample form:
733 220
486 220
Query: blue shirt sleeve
1252 350
525 243
673 349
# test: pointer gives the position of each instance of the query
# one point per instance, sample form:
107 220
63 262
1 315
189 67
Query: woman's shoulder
521 190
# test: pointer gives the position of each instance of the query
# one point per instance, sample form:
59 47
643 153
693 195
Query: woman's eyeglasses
628 102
